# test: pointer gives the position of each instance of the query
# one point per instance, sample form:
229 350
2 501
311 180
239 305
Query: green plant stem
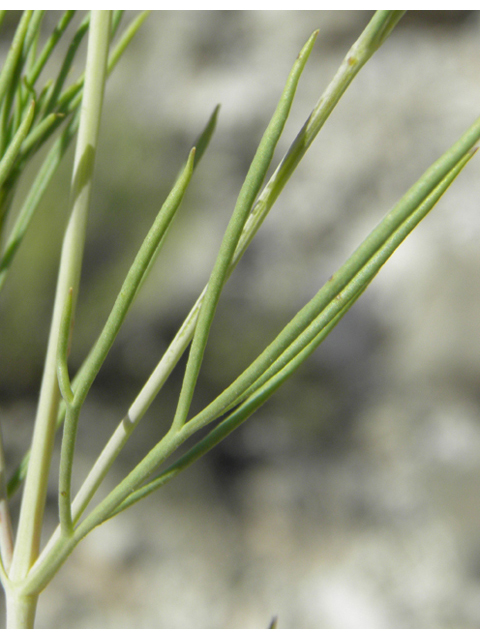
69 99
49 563
31 514
20 609
71 419
130 421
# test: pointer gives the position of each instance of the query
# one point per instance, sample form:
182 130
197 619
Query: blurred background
350 500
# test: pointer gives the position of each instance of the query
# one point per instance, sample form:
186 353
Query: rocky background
351 500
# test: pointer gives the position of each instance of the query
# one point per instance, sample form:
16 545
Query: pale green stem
20 609
33 502
44 569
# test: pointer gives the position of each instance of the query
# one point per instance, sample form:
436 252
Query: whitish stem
33 503
20 610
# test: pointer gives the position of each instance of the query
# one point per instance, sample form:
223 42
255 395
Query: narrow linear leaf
33 32
34 495
201 143
6 530
9 81
47 50
204 138
134 279
38 188
125 39
248 193
14 54
316 332
67 65
40 99
117 16
381 27
23 94
40 133
13 149
357 56
63 350
71 420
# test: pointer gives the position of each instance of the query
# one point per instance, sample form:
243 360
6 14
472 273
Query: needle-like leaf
11 153
246 199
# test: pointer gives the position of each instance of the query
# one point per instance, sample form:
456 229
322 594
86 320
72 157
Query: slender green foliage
48 48
29 116
10 154
8 70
